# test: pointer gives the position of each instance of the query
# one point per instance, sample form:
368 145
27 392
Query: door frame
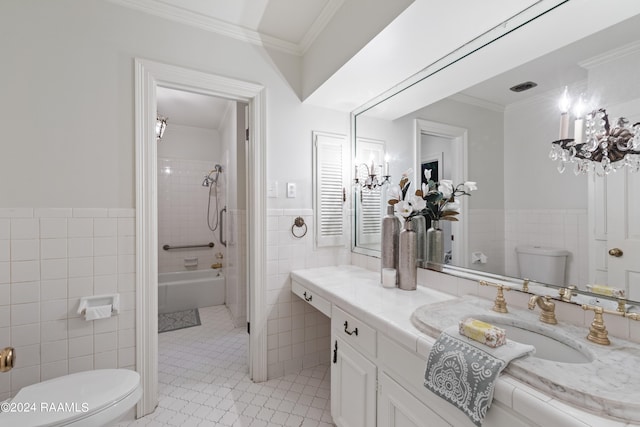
148 76
458 137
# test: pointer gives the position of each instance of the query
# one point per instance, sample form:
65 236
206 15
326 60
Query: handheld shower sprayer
208 180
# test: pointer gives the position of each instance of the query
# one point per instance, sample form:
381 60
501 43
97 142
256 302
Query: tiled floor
203 381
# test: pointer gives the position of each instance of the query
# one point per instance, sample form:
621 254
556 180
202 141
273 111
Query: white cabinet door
399 408
353 387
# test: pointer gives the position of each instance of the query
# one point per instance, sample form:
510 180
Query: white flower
404 208
446 188
425 189
470 186
395 193
418 203
452 206
407 173
427 174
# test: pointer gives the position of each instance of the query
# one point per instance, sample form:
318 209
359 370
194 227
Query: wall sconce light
371 180
596 146
161 125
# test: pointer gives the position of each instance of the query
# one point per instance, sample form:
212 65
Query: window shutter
329 165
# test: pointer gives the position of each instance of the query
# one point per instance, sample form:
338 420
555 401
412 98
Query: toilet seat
87 399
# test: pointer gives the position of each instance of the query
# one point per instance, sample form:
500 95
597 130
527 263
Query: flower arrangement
436 200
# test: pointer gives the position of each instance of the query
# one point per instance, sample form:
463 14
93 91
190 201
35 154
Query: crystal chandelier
371 181
600 147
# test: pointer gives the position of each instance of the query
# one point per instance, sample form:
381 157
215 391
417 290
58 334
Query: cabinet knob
616 252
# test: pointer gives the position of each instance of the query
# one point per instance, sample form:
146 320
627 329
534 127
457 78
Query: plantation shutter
369 201
329 164
371 221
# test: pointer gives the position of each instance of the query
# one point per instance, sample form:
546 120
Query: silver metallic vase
390 240
435 243
420 227
407 268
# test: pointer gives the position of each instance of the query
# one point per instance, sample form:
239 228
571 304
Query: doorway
432 142
150 75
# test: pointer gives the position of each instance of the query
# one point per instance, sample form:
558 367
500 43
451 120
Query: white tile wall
49 258
298 335
182 213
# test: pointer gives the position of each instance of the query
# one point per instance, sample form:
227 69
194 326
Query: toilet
85 399
542 264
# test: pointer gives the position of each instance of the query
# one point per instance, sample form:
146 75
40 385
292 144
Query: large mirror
491 133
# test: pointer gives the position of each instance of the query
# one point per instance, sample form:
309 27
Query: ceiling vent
523 86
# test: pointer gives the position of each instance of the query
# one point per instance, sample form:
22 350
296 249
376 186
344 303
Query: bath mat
178 320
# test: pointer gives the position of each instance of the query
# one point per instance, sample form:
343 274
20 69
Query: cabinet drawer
354 331
317 301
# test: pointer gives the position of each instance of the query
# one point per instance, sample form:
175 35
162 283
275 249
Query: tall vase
407 268
390 241
435 243
419 226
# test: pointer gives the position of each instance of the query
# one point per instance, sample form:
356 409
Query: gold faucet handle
525 285
7 359
598 331
500 304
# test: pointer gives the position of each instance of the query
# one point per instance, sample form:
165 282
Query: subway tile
105 265
22 335
53 228
52 212
29 355
54 351
79 364
80 227
25 228
80 346
90 212
80 267
25 292
126 357
24 249
103 246
16 212
105 342
78 327
23 377
80 287
106 360
53 269
126 245
54 369
110 324
25 314
80 247
5 272
126 282
122 212
126 227
5 250
25 271
105 227
54 331
107 284
53 289
53 310
5 316
126 264
53 248
5 228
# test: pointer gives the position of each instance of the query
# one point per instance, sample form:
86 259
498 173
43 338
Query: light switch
272 189
291 189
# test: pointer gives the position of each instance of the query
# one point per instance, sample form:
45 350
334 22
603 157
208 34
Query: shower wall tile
49 258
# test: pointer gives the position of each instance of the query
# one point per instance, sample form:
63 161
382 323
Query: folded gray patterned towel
463 372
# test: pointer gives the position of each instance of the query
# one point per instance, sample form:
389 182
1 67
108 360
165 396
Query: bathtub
182 290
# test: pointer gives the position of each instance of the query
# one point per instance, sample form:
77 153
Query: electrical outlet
291 189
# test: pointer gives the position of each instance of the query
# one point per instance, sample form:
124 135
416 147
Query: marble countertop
608 386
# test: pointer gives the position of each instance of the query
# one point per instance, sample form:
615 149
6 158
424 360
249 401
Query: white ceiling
191 109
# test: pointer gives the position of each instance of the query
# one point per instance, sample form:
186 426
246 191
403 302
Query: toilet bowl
88 399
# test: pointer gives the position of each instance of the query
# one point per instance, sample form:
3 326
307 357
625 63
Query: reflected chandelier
371 181
605 147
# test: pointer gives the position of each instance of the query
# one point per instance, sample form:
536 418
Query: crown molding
211 24
612 55
319 24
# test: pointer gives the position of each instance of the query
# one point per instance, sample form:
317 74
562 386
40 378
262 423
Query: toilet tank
542 264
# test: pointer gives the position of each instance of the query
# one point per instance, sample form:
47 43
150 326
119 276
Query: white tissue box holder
96 301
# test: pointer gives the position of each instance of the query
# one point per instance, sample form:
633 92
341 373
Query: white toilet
85 399
542 264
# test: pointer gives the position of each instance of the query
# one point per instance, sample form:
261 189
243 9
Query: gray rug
178 320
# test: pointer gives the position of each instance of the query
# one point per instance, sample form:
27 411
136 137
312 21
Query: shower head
208 180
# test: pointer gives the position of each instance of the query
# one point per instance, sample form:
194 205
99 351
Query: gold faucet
567 293
500 304
547 315
598 331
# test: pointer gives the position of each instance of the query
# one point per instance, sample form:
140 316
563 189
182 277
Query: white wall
67 68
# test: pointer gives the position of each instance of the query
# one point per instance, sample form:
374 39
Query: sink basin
549 344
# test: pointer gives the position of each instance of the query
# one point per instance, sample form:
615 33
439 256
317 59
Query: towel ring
299 222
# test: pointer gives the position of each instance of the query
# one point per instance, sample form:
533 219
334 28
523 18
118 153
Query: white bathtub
182 290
